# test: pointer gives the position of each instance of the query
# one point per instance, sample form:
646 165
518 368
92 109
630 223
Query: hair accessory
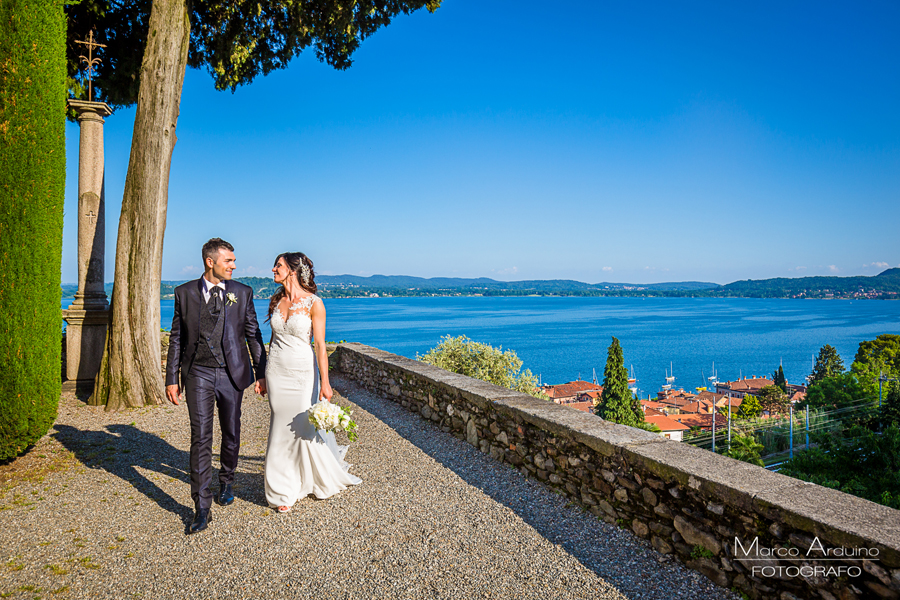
304 273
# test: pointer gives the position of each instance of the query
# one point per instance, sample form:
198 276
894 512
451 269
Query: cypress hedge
32 189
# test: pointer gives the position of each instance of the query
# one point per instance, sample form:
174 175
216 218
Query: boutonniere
230 299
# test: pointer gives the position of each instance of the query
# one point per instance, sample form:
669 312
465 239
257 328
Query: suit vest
212 327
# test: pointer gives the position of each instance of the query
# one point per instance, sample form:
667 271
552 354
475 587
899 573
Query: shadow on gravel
562 523
125 450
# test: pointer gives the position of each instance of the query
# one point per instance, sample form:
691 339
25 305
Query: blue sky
623 142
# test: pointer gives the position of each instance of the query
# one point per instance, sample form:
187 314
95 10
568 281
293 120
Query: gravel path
434 518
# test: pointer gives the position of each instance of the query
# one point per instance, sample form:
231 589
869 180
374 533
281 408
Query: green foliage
750 407
773 400
828 364
32 185
779 379
234 41
699 551
745 448
874 357
617 404
835 391
482 361
890 407
859 462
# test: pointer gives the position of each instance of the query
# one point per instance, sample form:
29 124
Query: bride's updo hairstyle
302 268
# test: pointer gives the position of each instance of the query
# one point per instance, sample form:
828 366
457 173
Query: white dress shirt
207 285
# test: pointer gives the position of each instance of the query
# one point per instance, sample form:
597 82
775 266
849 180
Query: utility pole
792 431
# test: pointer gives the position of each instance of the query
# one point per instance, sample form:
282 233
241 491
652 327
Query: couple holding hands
208 362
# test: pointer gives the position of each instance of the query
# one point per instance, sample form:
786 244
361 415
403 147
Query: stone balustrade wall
756 532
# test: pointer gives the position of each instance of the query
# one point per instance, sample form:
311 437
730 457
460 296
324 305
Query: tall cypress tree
779 379
828 364
32 188
617 404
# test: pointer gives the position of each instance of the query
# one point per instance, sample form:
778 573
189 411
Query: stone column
87 318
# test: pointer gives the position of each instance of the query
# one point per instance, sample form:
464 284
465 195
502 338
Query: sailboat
632 382
714 379
670 378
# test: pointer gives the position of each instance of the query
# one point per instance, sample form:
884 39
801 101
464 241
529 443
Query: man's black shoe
226 496
202 519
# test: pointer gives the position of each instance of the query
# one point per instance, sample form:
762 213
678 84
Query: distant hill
886 283
883 285
484 283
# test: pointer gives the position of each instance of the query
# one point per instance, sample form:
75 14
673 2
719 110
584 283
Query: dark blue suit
205 387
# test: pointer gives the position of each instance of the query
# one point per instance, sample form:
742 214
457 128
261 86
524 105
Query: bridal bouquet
326 416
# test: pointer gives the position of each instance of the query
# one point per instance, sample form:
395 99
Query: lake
562 339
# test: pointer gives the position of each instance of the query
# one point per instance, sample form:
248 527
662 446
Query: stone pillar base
85 342
84 387
90 302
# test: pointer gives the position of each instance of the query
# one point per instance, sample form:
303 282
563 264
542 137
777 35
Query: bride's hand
326 392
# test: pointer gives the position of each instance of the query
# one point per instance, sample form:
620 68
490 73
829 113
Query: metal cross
91 216
90 60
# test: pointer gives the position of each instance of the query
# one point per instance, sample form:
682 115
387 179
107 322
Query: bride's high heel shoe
283 509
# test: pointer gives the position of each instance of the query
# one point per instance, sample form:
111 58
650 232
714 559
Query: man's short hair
212 247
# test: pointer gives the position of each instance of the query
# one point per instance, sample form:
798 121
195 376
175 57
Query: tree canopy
779 379
828 364
617 404
842 389
234 41
876 357
750 407
857 461
772 399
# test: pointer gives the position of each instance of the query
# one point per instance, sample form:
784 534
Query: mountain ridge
883 285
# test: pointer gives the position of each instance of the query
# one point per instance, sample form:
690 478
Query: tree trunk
131 374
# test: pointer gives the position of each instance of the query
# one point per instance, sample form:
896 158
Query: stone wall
747 529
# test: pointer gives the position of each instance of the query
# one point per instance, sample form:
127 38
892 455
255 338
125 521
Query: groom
213 325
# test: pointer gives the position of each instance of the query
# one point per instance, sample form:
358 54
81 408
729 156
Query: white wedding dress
299 460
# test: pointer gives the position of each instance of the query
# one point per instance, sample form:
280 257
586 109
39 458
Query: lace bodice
298 322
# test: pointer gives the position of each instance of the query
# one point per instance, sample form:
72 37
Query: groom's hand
260 387
173 392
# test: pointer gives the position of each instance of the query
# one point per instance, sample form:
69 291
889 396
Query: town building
743 386
581 395
670 428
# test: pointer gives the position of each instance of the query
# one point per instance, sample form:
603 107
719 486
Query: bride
299 459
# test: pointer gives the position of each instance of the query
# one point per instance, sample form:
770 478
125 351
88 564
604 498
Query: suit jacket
240 332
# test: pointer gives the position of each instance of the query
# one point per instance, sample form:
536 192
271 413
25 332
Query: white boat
714 379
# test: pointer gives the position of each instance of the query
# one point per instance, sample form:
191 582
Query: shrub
482 361
32 188
745 448
857 461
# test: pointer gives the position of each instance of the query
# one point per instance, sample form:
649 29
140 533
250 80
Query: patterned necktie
215 300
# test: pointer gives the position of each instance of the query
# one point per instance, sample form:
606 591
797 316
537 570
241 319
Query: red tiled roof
570 389
652 404
703 421
749 383
652 412
665 423
707 395
582 406
697 407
